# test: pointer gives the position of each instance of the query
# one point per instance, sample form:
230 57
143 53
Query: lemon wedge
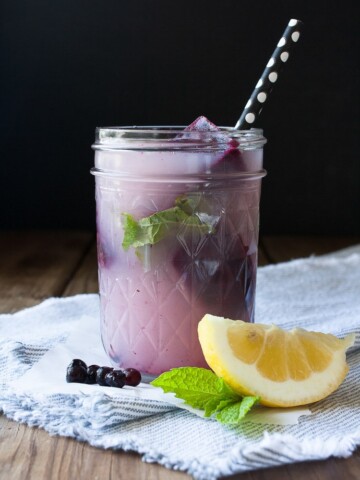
283 368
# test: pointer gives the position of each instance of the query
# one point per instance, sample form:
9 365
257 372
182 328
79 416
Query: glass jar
177 237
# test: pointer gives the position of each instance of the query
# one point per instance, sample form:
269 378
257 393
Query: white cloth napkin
36 344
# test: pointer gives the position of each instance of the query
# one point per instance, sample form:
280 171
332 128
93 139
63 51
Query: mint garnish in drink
202 389
152 229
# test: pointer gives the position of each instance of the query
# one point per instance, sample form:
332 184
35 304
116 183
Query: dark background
68 66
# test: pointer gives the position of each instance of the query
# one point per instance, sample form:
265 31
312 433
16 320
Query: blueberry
116 378
91 374
79 362
100 375
132 377
76 374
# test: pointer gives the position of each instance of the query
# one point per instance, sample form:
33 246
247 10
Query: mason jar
177 236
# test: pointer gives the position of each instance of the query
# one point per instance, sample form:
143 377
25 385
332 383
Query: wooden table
38 265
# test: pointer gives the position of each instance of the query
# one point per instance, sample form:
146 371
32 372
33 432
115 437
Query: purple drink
177 222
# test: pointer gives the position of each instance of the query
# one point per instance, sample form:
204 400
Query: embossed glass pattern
203 260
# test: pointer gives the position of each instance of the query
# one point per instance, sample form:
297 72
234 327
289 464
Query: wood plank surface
32 454
282 248
36 265
85 278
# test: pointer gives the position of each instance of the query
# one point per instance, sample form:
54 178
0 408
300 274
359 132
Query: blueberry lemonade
177 235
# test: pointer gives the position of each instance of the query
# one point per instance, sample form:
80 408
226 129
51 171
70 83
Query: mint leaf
201 388
152 229
214 405
131 230
232 414
187 204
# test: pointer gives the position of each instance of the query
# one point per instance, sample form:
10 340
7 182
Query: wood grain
283 248
85 278
32 454
36 265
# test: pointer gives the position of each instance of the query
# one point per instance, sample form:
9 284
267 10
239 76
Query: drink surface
191 250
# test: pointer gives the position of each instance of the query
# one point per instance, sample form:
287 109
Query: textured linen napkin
36 344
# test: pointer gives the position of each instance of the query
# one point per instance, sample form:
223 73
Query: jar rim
165 137
196 178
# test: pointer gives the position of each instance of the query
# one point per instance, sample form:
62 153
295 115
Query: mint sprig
150 230
202 389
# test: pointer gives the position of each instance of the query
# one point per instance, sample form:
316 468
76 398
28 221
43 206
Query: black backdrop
70 65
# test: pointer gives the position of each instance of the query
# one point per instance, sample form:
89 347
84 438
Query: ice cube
230 160
202 124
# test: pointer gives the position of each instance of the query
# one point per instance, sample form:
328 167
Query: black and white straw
270 75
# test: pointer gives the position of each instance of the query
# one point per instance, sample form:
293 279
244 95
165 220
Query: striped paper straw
270 75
